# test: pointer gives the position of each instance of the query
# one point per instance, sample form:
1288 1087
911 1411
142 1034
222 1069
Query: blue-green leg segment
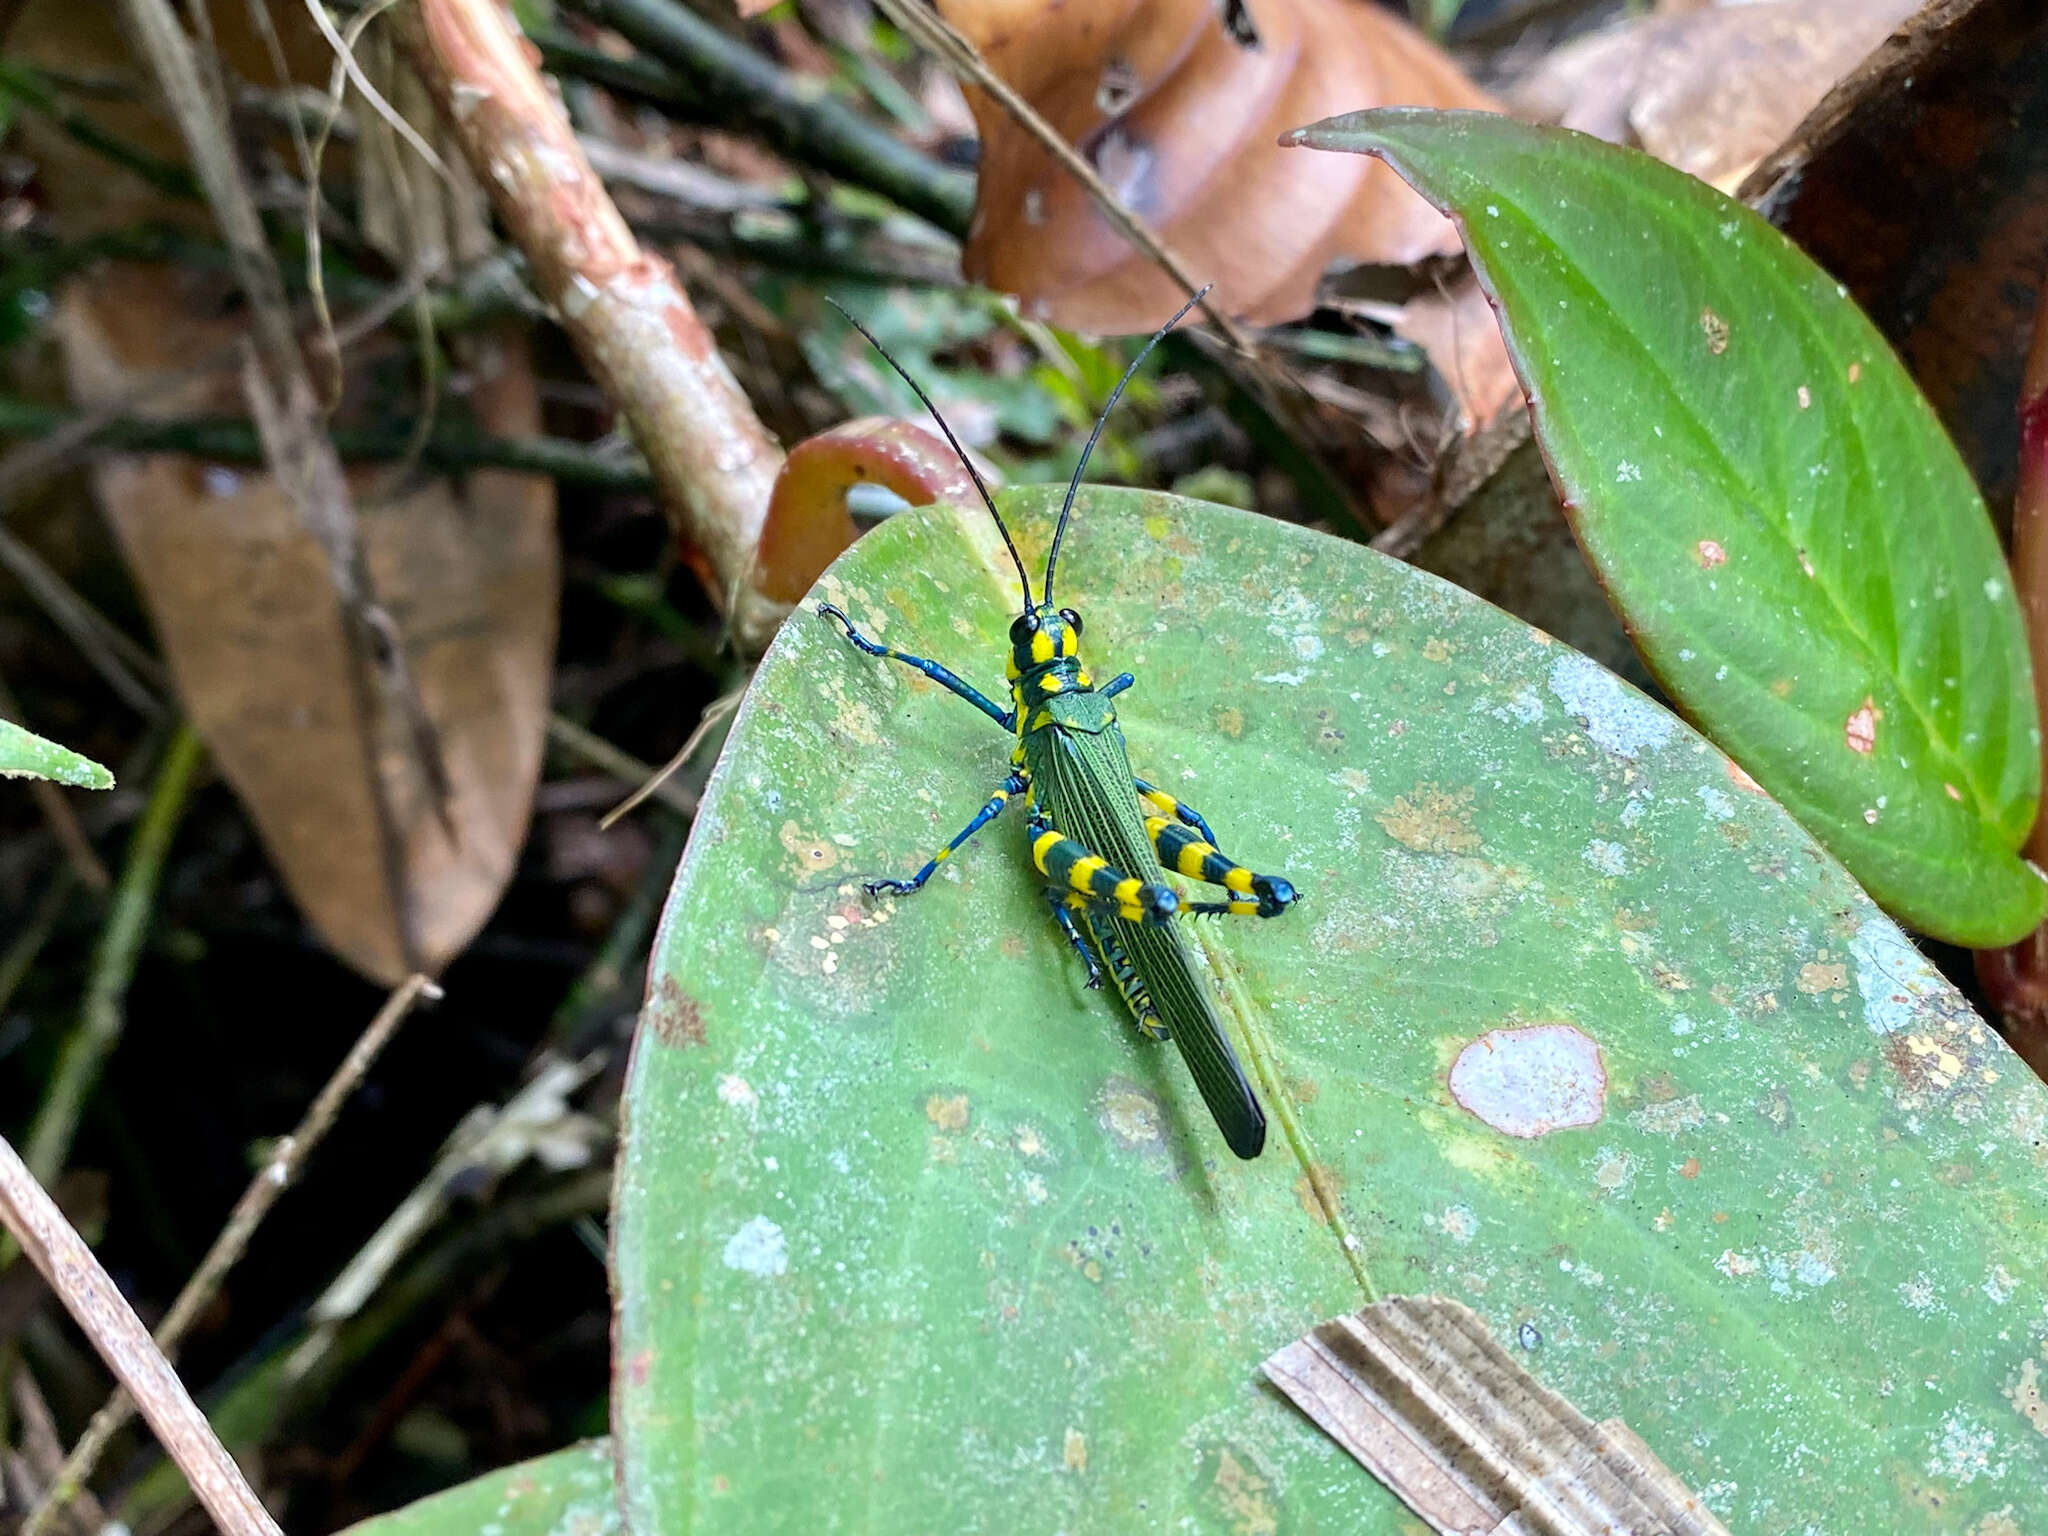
931 669
1116 685
1015 784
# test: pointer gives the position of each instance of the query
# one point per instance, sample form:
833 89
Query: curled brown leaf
1181 117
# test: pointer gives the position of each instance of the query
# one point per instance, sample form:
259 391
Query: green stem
857 252
636 78
113 967
799 118
230 440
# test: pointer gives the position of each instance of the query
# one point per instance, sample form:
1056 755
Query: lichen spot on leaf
1134 1117
1529 1082
947 1111
810 853
1432 819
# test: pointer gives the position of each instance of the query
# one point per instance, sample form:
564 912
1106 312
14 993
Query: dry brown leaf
1710 91
1181 119
242 595
247 617
1419 1391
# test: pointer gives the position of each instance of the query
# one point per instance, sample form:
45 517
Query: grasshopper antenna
1074 485
973 473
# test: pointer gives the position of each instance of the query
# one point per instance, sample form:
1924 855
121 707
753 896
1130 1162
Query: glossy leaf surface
914 1233
1776 512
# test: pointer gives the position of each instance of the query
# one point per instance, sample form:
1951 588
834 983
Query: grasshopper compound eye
1072 620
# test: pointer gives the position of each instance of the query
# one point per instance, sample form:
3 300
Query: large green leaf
1787 531
25 755
913 1233
568 1493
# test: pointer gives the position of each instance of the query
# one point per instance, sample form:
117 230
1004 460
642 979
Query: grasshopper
1101 837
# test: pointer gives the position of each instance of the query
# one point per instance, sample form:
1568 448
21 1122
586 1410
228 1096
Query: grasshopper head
1042 636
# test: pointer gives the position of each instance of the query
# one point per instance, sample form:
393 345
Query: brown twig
19 957
620 764
121 663
961 57
263 1192
658 781
97 1305
630 320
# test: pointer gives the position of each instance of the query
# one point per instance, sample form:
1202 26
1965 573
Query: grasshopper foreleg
943 676
1015 784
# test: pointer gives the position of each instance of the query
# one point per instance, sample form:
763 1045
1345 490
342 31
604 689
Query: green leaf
913 1232
1784 526
568 1493
25 755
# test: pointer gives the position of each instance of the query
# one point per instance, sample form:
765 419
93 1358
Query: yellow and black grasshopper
1099 835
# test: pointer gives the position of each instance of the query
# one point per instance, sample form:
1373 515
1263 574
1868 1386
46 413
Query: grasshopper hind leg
1071 868
1185 844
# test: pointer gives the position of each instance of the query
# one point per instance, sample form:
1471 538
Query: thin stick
120 662
717 78
117 1333
20 954
965 60
270 1183
232 440
657 782
620 764
280 394
86 1049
